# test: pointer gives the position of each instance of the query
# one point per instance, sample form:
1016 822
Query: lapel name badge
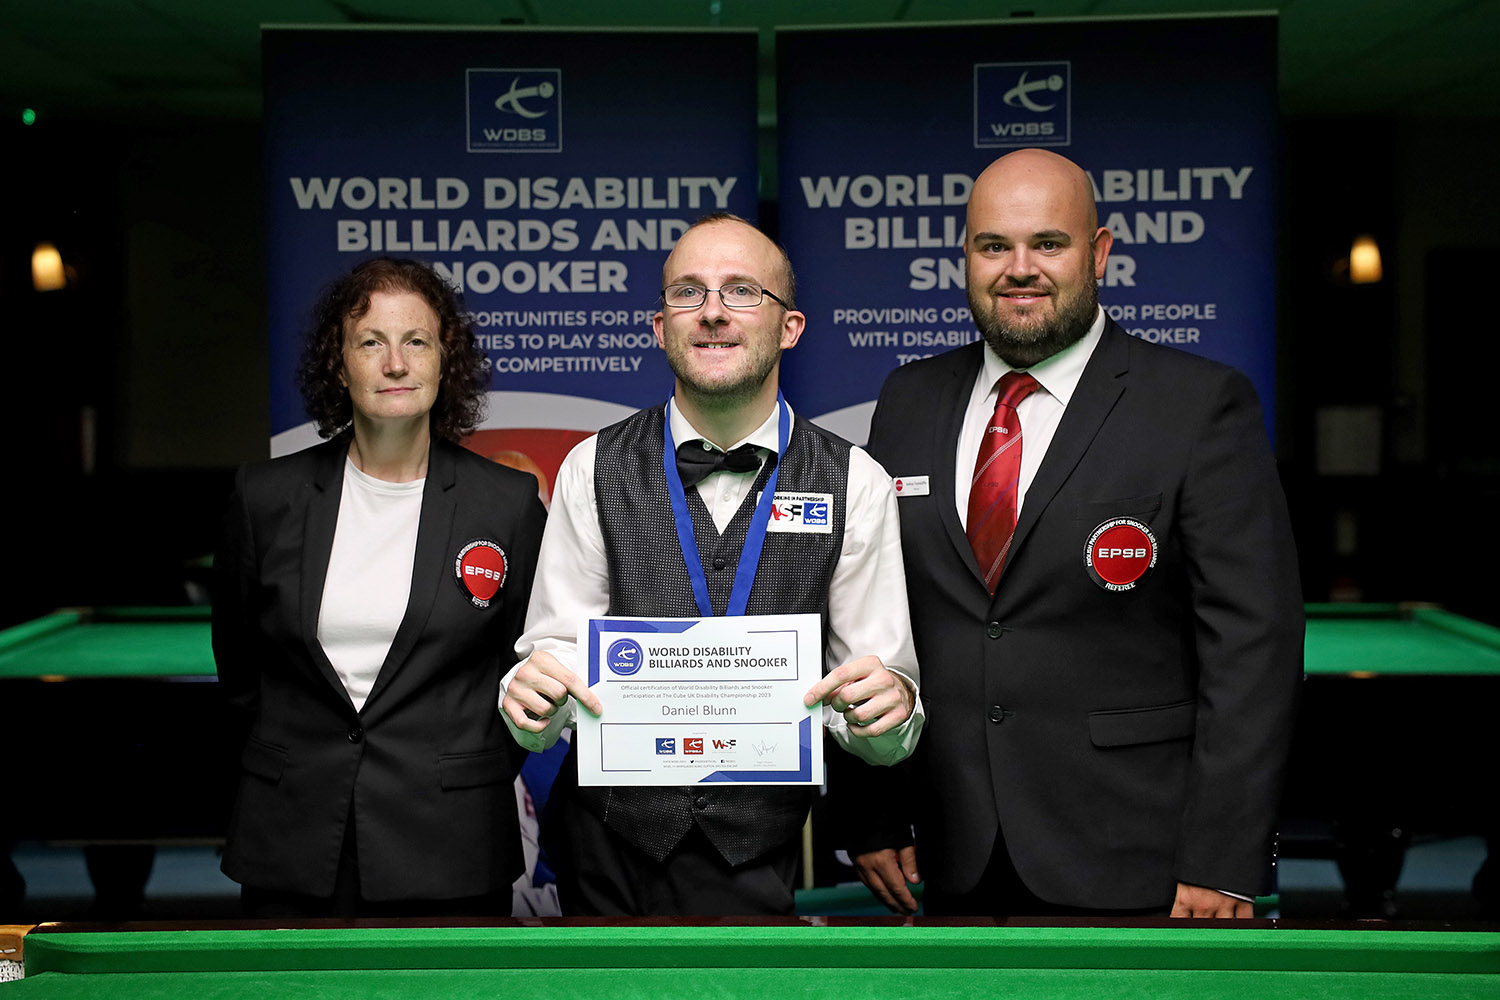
480 571
805 513
1120 552
911 486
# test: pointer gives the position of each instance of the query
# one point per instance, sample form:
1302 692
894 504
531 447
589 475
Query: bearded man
1103 590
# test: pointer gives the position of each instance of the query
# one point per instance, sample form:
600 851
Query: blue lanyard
687 539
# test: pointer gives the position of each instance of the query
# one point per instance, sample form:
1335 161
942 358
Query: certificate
698 700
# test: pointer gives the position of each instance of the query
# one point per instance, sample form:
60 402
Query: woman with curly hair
376 773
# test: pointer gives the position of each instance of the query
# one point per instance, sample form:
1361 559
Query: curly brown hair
461 393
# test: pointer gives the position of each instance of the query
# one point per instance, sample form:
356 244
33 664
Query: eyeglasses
740 295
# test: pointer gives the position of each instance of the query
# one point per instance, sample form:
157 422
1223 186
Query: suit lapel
430 562
1098 390
322 517
953 401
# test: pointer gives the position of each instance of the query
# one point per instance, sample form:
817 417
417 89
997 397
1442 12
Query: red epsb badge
480 569
1120 552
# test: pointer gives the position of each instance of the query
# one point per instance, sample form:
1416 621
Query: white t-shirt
369 576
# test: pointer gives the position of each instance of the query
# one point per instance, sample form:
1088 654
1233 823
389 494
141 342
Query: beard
726 389
1034 340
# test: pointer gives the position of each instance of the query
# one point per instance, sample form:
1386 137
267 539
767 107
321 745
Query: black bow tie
695 463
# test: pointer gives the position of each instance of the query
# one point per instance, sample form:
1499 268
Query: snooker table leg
12 885
1370 857
119 873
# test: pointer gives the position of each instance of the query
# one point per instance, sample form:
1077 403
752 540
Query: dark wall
136 389
1412 352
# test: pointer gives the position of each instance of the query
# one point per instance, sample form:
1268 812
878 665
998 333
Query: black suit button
701 802
719 563
356 734
994 630
997 714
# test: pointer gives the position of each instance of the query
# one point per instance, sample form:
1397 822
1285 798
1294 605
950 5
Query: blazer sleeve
1247 616
234 573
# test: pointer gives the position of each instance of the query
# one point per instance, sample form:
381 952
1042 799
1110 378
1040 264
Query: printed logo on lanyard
480 570
1120 552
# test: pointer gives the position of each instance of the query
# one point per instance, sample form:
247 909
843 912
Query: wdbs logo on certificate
693 700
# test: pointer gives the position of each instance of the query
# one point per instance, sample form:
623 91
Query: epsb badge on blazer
480 570
1120 552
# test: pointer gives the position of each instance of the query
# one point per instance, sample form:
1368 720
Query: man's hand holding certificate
872 699
702 700
682 677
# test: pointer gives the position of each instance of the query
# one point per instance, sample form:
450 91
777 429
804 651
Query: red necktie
997 473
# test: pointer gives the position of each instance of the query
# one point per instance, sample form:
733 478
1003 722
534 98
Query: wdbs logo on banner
1023 104
624 657
515 110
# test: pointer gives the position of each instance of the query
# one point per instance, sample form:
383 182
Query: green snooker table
788 959
125 741
1393 736
110 644
1363 641
113 720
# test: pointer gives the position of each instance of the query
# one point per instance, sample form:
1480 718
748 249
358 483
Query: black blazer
1124 740
427 762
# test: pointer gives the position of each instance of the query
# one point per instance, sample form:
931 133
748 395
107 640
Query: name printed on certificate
697 700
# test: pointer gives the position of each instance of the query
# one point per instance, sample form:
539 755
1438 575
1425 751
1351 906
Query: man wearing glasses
611 547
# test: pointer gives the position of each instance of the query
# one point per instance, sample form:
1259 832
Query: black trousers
1001 893
600 874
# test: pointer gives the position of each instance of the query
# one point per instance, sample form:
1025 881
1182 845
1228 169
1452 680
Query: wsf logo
515 110
666 744
1023 104
723 744
807 512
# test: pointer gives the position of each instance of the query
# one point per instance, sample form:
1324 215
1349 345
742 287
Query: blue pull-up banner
881 132
547 173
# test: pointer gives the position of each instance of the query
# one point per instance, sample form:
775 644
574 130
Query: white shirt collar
1058 374
765 436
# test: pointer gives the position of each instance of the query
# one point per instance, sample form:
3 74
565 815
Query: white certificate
699 700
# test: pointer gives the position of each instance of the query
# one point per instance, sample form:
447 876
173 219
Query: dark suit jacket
1124 740
427 762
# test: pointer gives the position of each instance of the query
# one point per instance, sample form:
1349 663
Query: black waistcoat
647 577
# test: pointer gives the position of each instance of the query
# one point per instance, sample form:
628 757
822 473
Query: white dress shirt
867 609
1039 413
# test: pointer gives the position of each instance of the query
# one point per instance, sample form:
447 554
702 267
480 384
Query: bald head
1037 171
